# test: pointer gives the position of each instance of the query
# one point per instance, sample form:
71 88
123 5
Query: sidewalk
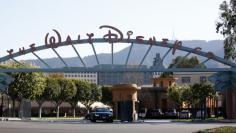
34 119
215 121
82 120
9 119
206 121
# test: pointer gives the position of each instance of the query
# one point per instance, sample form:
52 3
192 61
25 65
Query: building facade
155 97
191 78
113 78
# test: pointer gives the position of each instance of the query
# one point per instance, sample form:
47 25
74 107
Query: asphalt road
81 127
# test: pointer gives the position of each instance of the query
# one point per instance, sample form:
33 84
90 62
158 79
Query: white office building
90 77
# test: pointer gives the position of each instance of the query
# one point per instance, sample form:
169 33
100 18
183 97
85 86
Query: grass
59 118
198 120
182 120
225 129
214 118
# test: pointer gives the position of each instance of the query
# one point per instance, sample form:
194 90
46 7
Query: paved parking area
86 127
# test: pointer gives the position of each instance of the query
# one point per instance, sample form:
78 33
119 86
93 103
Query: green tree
106 95
25 85
40 98
175 92
187 95
226 26
67 91
181 62
58 90
96 93
90 93
82 93
53 91
5 80
189 98
202 91
56 75
78 96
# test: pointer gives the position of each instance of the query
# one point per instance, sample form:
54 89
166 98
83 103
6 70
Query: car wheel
92 120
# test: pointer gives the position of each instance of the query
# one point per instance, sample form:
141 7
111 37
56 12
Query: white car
184 114
171 113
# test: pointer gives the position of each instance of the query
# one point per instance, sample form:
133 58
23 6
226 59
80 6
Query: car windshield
171 110
101 110
142 111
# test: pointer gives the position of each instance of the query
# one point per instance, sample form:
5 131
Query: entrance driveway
152 126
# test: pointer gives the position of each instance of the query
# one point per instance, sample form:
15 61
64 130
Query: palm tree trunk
13 108
74 111
205 109
40 110
87 110
2 105
58 110
87 107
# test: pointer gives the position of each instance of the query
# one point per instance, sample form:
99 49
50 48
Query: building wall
123 94
124 78
163 82
154 98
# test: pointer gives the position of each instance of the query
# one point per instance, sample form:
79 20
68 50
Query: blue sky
27 21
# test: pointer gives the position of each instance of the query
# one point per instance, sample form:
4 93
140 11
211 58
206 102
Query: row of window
90 80
188 79
79 75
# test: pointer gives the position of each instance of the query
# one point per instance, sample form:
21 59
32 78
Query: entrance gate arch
112 36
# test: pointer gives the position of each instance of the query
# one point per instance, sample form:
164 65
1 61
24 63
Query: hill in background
138 51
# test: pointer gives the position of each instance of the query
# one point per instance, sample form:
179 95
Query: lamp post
8 103
2 105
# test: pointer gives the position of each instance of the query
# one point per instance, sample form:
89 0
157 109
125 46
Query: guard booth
125 102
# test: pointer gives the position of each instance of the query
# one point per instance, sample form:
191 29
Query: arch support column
230 95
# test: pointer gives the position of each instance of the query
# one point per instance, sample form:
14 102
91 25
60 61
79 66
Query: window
161 84
203 79
186 79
